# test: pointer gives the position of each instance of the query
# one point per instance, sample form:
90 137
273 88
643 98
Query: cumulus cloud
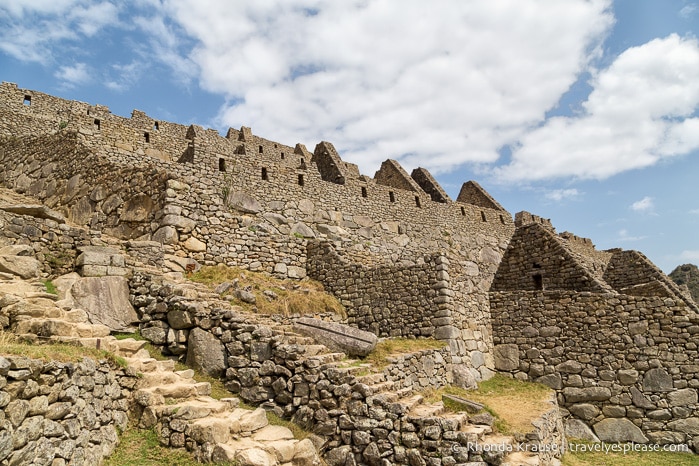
71 76
562 194
642 109
644 205
437 84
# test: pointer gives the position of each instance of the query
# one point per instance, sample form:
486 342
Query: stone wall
626 365
54 243
61 413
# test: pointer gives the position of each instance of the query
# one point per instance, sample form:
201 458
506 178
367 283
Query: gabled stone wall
621 363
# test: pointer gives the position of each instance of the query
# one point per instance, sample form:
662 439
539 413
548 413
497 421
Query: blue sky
582 111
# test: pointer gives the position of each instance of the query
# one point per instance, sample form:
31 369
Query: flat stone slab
35 210
338 337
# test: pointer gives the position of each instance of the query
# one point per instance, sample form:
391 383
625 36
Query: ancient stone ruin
134 202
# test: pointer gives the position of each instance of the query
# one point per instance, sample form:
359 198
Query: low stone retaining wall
61 413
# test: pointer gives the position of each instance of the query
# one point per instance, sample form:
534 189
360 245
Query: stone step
381 387
314 350
480 431
322 359
151 364
57 327
371 379
128 346
521 458
427 410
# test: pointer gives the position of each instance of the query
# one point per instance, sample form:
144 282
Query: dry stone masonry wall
61 413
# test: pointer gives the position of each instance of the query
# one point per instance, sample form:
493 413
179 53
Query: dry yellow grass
62 352
293 296
378 358
514 403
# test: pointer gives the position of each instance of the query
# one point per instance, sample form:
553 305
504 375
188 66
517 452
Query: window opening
222 165
146 136
391 196
300 180
364 194
417 201
502 220
538 282
463 211
282 155
264 174
156 126
261 149
97 124
27 100
483 216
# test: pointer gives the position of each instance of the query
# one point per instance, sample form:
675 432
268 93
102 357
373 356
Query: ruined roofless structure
607 330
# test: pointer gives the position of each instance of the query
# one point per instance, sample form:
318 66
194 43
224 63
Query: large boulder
338 337
206 353
614 430
106 301
35 210
22 266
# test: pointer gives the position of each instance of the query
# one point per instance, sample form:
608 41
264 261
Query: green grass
649 458
50 287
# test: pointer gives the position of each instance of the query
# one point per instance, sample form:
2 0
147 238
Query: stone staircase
171 401
471 436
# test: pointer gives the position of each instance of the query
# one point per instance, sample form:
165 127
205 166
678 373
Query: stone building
606 329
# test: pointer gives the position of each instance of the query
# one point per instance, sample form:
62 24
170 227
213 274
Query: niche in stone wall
300 180
221 164
146 137
483 218
417 202
463 211
97 125
364 193
391 196
264 174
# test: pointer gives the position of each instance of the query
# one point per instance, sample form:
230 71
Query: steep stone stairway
171 401
426 426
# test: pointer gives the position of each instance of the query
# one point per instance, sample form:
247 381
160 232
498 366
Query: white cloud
436 84
623 236
688 10
72 76
690 255
561 194
644 205
639 112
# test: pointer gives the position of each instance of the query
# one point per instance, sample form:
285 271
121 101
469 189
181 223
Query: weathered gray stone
619 430
243 202
349 340
106 301
180 319
35 210
506 357
183 224
684 397
689 426
574 395
657 380
166 235
22 266
577 429
584 411
194 245
639 399
137 209
302 230
205 352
